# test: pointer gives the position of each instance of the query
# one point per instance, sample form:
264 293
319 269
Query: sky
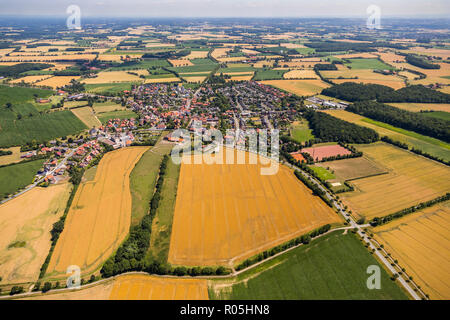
228 8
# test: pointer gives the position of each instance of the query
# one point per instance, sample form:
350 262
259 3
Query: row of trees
329 128
421 63
417 122
379 221
17 69
352 92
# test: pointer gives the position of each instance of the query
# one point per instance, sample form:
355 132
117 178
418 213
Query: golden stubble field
99 218
225 213
87 116
421 243
411 179
137 287
25 224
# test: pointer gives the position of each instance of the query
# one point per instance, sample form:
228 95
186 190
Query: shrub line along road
361 233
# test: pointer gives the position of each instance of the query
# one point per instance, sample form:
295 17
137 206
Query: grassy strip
130 255
379 221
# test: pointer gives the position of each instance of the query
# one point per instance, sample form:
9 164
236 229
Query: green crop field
109 87
143 180
34 126
323 173
368 64
301 132
120 114
144 64
331 267
162 223
266 74
17 176
19 95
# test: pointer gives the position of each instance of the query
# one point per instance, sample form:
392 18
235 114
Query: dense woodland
329 128
352 92
413 121
421 63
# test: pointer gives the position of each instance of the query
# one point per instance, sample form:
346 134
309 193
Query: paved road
361 233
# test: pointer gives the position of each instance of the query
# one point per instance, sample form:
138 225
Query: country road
361 233
28 188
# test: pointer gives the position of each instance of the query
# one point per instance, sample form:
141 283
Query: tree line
329 128
353 92
379 221
421 63
417 122
405 146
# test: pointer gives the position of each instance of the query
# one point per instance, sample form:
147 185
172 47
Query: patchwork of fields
229 212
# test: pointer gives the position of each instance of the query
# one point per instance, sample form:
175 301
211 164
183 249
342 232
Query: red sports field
319 153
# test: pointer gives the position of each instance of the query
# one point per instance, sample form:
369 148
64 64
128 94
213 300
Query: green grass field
323 173
331 267
143 180
17 176
301 132
34 126
368 64
267 74
120 114
438 115
162 223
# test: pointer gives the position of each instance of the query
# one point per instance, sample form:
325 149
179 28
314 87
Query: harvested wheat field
26 222
162 80
240 78
95 292
321 152
199 79
31 79
301 74
112 77
299 87
87 116
56 82
180 62
99 218
145 287
197 55
411 179
421 242
225 213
